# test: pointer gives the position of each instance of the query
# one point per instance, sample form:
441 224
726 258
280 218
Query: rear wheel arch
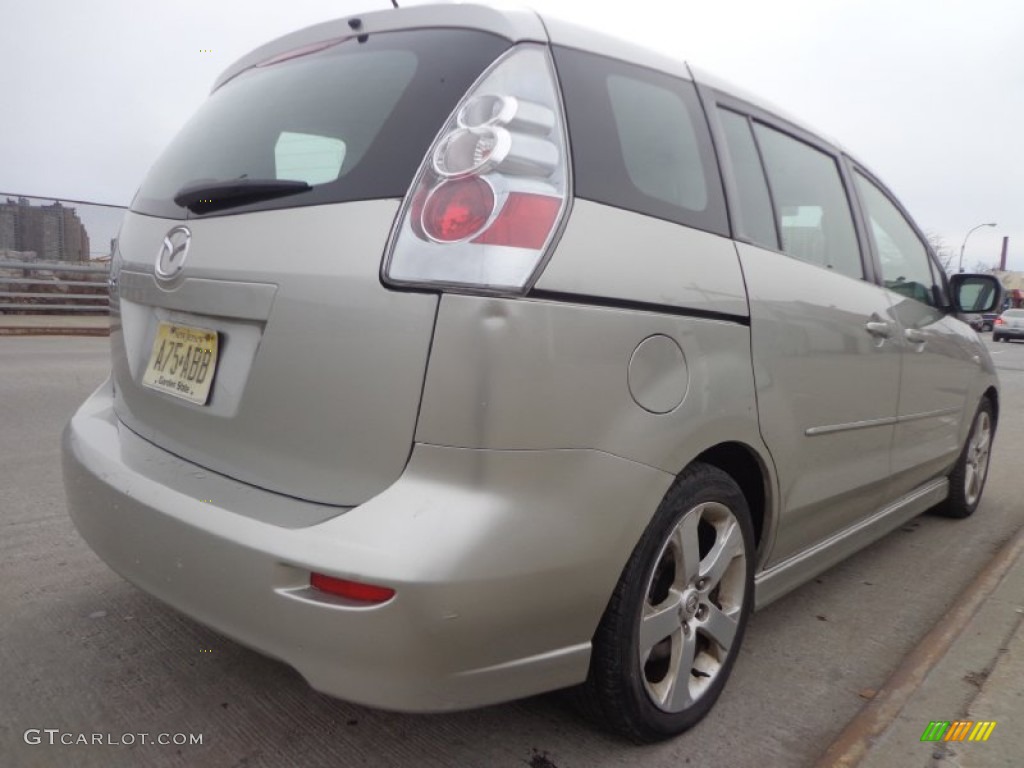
749 470
992 395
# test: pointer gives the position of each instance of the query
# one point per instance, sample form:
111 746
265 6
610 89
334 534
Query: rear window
1014 313
640 141
353 120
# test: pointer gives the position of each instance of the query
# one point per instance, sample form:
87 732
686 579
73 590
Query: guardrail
32 287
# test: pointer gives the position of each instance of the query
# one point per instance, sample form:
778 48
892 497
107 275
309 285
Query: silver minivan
461 354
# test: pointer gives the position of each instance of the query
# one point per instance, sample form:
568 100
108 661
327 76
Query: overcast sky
928 94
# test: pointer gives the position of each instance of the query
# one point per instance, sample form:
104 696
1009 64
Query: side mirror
976 293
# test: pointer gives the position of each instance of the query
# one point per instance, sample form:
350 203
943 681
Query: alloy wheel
978 451
693 605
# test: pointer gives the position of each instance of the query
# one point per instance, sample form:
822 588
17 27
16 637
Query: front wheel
967 480
670 634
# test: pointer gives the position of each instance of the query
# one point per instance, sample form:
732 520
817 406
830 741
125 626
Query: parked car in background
1009 325
988 320
462 355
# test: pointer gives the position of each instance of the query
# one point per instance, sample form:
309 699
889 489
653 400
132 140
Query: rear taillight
493 189
999 321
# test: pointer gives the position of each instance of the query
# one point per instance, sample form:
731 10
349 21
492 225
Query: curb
858 738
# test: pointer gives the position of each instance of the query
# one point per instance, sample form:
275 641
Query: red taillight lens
525 221
456 210
1000 321
352 590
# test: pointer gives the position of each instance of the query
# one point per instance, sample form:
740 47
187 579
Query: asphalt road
84 652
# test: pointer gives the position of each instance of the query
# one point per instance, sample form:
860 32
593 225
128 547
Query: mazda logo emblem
170 260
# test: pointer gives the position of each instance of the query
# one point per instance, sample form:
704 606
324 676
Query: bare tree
947 256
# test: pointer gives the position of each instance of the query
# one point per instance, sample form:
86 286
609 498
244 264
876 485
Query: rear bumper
502 561
1010 333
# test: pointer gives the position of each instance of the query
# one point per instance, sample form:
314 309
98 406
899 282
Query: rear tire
967 480
673 627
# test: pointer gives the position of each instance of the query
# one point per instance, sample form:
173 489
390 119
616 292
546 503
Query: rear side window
353 120
657 160
640 141
814 216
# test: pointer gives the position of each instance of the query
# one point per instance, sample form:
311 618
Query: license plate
182 362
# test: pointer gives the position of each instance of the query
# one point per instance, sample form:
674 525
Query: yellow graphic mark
982 731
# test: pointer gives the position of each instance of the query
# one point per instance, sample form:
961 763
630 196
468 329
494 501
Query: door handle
878 328
914 336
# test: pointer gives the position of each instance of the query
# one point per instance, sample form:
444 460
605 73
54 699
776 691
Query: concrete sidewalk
54 325
970 667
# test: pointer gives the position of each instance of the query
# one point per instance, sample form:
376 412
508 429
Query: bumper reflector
351 590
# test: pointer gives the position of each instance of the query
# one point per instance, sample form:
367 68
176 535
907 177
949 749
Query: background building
53 232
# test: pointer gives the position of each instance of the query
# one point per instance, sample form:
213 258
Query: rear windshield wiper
208 196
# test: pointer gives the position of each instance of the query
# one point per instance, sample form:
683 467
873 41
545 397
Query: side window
756 220
812 207
906 268
640 141
658 143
